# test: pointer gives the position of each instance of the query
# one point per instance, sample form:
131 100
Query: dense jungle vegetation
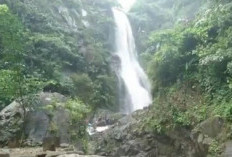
39 52
190 66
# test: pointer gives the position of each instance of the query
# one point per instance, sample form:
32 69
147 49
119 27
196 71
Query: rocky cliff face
40 122
129 137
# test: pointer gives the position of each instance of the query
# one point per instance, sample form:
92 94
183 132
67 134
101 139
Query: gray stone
127 138
228 149
37 122
10 124
212 126
200 138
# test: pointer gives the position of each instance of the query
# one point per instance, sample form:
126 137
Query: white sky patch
126 4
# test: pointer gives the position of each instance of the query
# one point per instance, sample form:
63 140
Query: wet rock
106 117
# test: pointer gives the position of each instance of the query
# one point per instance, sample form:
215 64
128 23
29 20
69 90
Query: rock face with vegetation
50 115
131 136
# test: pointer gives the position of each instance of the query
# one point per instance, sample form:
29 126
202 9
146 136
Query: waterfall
136 94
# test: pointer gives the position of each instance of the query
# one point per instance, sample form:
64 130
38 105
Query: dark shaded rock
37 124
50 143
14 143
2 154
41 155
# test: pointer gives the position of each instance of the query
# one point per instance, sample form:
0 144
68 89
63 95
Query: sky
126 4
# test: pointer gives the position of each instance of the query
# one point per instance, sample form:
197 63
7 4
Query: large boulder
43 120
46 117
10 123
212 126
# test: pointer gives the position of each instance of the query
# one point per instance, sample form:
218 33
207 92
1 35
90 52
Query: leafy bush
15 86
83 87
177 106
79 112
8 87
104 94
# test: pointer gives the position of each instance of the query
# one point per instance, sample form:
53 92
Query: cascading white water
137 93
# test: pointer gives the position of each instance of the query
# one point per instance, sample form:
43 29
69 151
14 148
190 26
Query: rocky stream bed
125 136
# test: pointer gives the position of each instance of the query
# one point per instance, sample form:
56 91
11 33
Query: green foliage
77 109
37 41
190 69
53 129
175 107
11 34
8 87
199 53
13 86
79 112
214 148
15 82
224 110
147 16
104 92
173 58
83 86
98 93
